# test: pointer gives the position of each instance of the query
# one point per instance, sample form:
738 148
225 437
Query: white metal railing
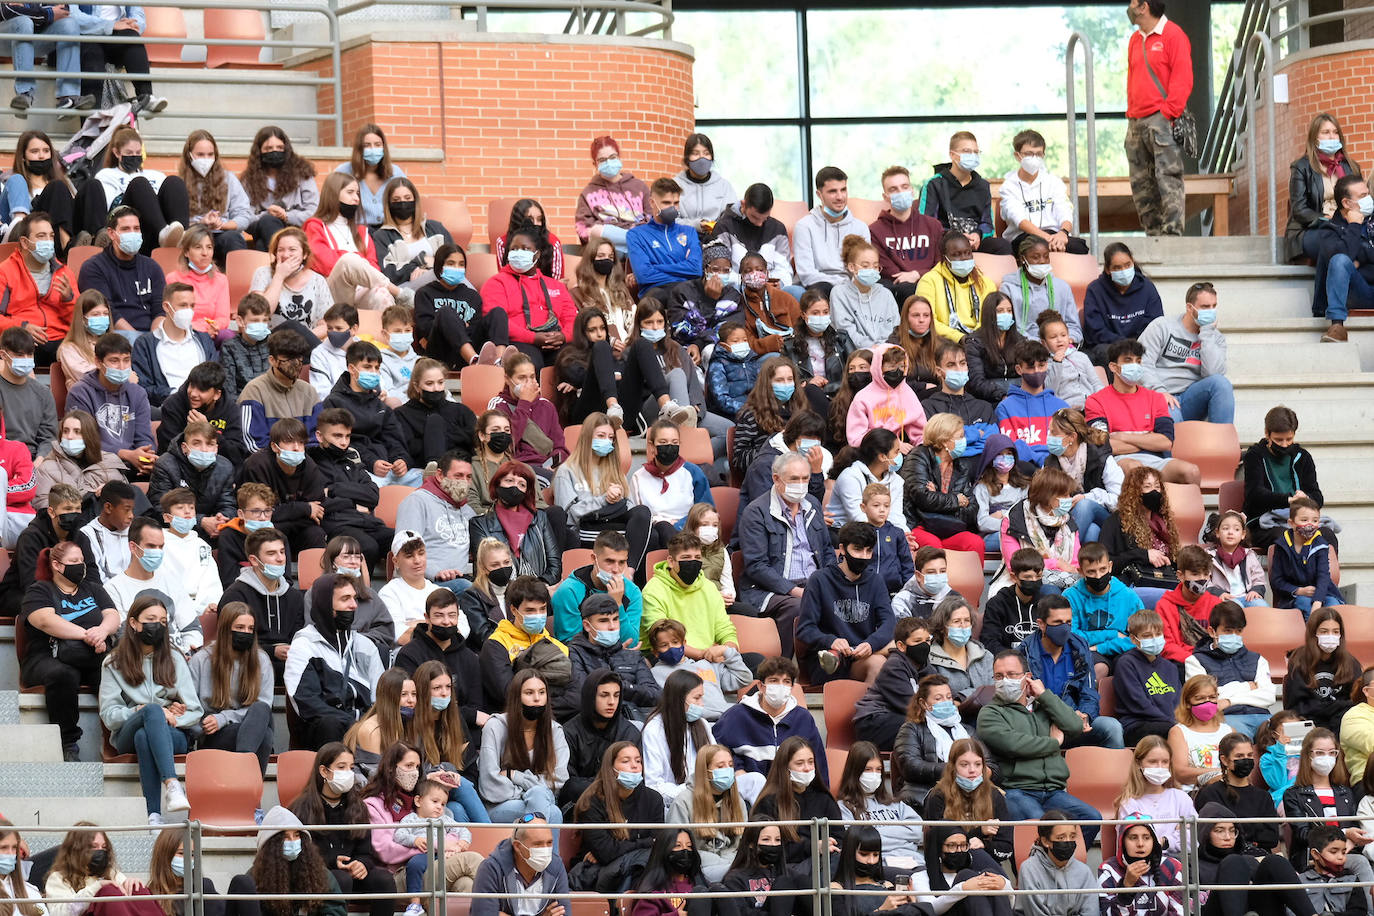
1076 40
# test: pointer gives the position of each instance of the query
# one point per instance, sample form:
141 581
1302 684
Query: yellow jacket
1357 739
939 286
515 640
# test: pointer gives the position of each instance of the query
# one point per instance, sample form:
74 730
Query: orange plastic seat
696 445
995 266
1231 496
224 788
481 267
840 698
1106 697
167 259
788 212
570 262
236 24
757 634
390 501
866 211
1213 447
727 507
835 759
576 558
1025 835
1274 632
498 218
369 323
966 575
1096 775
1077 270
294 770
1186 501
309 566
479 385
652 559
454 215
78 255
239 267
164 22
57 384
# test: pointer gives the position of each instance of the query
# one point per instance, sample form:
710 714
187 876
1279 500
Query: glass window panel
746 62
771 155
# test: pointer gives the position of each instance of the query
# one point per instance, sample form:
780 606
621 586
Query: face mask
604 266
201 459
755 280
970 161
534 623
532 713
510 496
443 633
1305 532
116 376
968 785
131 164
291 457
274 571
1123 277
1204 712
801 778
290 849
520 260
453 275
369 381
769 856
1195 586
901 201
893 377
944 711
896 462
273 160
959 636
433 398
671 657
935 583
402 343
740 349
241 642
1038 271
501 576
700 167
962 269
1005 320
373 155
439 704
348 211
1063 850
1033 165
695 711
1058 634
150 558
606 638
178 866
869 276
723 779
784 392
1064 506
10 860
1009 689
688 570
100 861
834 214
653 335
610 168
343 621
870 782
1328 642
868 869
74 572
957 861
857 565
1033 379
1154 501
130 242
74 447
203 166
1367 206
683 861
1156 776
499 442
201 270
257 330
99 324
1132 372
629 780
1330 147
182 525
858 381
1209 316
776 694
251 525
1004 463
43 250
603 447
1152 645
1242 767
956 379
668 215
959 447
348 571
39 166
1323 764
708 534
152 633
342 781
1098 583
794 492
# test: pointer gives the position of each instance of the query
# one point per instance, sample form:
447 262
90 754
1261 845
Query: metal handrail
1219 142
1076 39
1246 69
580 13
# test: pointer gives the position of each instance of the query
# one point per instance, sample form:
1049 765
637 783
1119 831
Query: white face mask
540 858
1033 165
794 492
870 782
1328 642
776 694
801 778
203 166
708 534
341 781
182 318
1156 776
1323 764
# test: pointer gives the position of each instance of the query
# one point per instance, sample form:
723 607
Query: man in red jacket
37 290
1159 79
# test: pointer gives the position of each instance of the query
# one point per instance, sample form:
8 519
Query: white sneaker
155 820
682 416
405 296
616 413
174 798
415 909
170 236
829 661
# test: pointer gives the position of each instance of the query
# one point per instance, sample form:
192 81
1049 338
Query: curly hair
1135 518
273 873
295 171
765 406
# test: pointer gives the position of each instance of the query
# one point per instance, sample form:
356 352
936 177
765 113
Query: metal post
821 888
1076 39
440 895
192 881
804 103
1252 147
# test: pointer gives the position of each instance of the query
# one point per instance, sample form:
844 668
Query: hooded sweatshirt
944 198
837 607
638 688
1029 299
278 612
542 414
460 661
698 607
497 875
704 199
122 415
956 305
818 242
1146 688
1044 200
1175 357
1110 315
1165 872
879 405
753 735
589 734
1026 418
867 317
133 287
909 244
624 203
442 523
1040 872
770 240
1101 619
568 598
329 671
546 297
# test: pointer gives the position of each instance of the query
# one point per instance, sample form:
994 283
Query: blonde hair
1183 712
704 810
1135 785
485 548
940 429
599 473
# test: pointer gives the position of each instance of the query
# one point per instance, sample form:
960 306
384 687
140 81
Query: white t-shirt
177 357
406 604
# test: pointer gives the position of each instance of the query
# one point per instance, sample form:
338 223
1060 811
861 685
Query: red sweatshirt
503 291
1171 605
1172 61
324 254
22 302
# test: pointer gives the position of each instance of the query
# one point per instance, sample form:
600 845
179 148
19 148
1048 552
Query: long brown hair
606 786
599 473
127 657
672 711
21 893
779 786
851 794
587 291
383 783
417 222
1306 657
161 878
212 191
121 136
328 208
295 170
20 165
90 434
386 710
1352 168
1135 518
1073 420
73 860
705 808
671 352
360 167
77 335
309 806
1340 776
442 737
966 807
920 351
839 404
540 760
766 407
223 660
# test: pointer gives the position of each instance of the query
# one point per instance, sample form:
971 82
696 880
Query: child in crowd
1146 683
888 402
1151 792
397 343
187 558
1024 414
733 370
327 361
1276 468
1000 486
1053 864
1236 568
460 864
668 640
927 587
1278 760
1301 569
1186 608
1071 374
892 555
1010 614
1140 862
1102 605
245 355
1331 886
1243 684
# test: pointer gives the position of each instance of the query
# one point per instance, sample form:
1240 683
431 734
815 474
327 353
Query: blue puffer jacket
729 380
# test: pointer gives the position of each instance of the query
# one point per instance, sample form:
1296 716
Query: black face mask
100 861
688 570
152 634
443 632
274 160
856 565
70 521
666 454
75 572
770 856
510 497
1030 589
1098 583
39 166
1154 501
242 642
433 398
603 266
334 451
500 576
919 654
343 620
532 713
347 211
499 442
858 381
893 377
1243 767
868 869
403 209
956 861
683 861
1279 451
130 164
1063 850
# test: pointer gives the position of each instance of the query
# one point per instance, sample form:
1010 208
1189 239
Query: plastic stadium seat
727 507
479 385
78 254
486 839
696 445
576 558
1213 447
224 788
1077 270
1230 496
164 22
995 266
455 216
570 262
498 218
583 906
239 267
369 323
309 566
737 566
966 575
835 759
57 383
652 559
622 439
1186 501
482 267
788 212
840 698
547 383
234 23
391 497
167 259
1096 775
1273 633
866 211
1106 693
1359 629
756 634
294 769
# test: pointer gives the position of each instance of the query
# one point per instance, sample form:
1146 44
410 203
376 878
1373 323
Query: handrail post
1076 39
1247 86
192 881
817 853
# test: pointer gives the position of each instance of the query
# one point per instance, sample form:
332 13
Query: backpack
551 662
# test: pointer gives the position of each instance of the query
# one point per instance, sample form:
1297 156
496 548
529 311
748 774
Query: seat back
78 255
835 759
1096 775
167 259
865 211
1231 496
839 698
243 25
57 383
479 385
223 787
652 559
164 22
1186 501
994 266
757 634
390 500
481 267
238 268
498 218
294 770
1077 270
727 507
1213 447
576 558
1106 696
309 566
1274 632
788 212
1359 629
696 445
455 216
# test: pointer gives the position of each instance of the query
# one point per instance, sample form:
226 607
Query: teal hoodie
1101 619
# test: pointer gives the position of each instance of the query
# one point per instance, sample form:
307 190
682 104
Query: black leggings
156 209
634 524
377 881
61 685
1242 869
132 58
263 230
498 332
226 241
449 335
250 735
641 381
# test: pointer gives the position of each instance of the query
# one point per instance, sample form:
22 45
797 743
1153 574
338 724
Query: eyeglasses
962 847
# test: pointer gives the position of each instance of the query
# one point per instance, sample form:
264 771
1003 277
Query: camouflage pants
1156 165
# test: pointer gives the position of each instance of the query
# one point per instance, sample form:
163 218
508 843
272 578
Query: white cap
402 538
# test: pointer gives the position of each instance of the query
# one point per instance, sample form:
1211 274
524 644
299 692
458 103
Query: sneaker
415 909
21 103
676 412
174 798
508 353
490 355
1336 333
155 820
83 238
71 753
149 104
73 105
829 661
616 413
170 236
405 296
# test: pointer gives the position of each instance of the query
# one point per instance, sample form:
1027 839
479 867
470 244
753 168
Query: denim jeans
1304 604
1344 280
413 477
24 51
1025 805
1247 723
538 799
616 236
1104 731
155 743
1089 515
465 806
1211 399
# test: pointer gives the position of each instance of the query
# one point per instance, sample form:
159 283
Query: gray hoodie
704 199
817 241
868 318
1039 872
119 699
496 785
200 673
444 528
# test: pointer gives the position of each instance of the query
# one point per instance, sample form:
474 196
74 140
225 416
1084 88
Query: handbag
1184 127
1137 576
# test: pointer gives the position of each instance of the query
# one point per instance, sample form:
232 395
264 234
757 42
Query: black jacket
891 692
638 688
539 555
1123 548
1260 495
963 405
1326 703
383 237
1306 191
1000 846
950 202
922 466
1006 621
376 434
916 767
294 492
214 486
460 660
1244 801
223 415
815 801
986 379
483 614
429 432
431 297
37 536
1302 801
838 346
589 735
643 806
348 485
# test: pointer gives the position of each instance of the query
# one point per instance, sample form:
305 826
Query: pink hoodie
879 405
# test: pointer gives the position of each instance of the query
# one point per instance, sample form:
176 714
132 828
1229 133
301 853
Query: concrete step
132 848
1160 250
31 744
1247 358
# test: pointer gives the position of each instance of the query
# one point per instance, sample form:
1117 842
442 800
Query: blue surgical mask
968 785
610 168
8 863
150 558
116 376
130 242
936 582
178 866
402 343
806 445
896 463
521 260
182 525
1367 206
1055 444
962 268
1065 505
869 276
970 161
274 570
348 571
629 780
1152 645
606 638
257 330
1124 276
1005 320
369 381
958 448
960 635
603 447
290 849
44 249
98 324
201 459
373 155
740 349
534 623
722 779
1230 643
653 335
1004 463
453 275
439 704
256 524
1330 147
22 366
1206 317
818 323
956 379
901 201
74 447
1133 372
695 711
784 392
944 710
834 214
291 457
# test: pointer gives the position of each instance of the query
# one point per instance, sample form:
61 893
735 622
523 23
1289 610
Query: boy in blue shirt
733 370
1146 683
892 555
1102 604
1301 568
661 252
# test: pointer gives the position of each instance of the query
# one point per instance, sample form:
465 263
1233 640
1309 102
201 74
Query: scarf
945 735
431 485
1232 559
514 522
1159 531
1060 548
653 470
1333 165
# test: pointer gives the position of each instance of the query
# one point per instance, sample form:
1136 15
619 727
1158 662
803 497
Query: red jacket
324 254
1173 603
20 302
1172 61
503 291
17 464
